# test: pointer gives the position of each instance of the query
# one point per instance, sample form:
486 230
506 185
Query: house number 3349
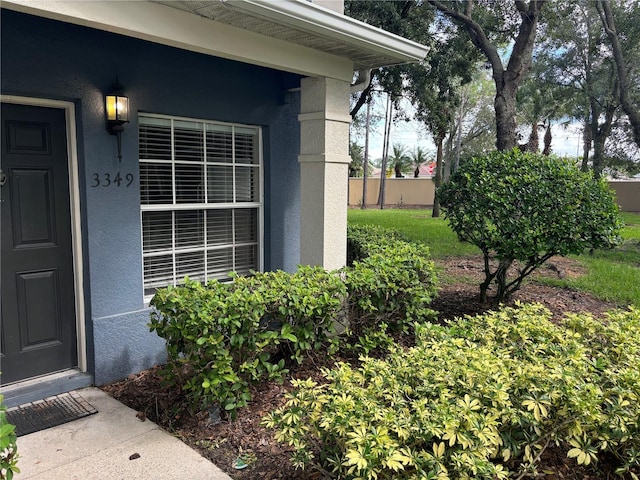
111 180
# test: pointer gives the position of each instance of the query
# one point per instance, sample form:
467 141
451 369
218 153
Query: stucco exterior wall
420 192
49 59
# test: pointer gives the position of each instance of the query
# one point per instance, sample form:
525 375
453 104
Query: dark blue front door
38 301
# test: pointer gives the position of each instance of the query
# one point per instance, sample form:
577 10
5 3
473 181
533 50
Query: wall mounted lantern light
117 110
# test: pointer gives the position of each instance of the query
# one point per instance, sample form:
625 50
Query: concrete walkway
104 446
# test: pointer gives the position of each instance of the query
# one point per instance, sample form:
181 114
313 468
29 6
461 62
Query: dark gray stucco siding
49 59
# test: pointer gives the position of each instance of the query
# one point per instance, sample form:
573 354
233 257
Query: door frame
74 209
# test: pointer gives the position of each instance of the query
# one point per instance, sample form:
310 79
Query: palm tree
399 160
419 157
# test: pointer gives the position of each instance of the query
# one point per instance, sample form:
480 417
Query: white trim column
324 169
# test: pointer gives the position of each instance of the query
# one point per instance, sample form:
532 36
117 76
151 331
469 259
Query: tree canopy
561 62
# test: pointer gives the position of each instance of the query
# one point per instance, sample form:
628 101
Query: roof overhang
290 35
309 25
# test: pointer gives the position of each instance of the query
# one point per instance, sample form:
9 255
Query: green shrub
215 342
363 239
308 301
481 398
395 285
391 283
527 207
8 446
223 336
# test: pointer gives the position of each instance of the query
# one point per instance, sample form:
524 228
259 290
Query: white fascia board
307 16
169 26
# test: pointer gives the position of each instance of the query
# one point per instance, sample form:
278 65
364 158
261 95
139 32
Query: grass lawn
419 226
612 275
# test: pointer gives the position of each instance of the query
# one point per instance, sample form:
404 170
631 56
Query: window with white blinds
201 199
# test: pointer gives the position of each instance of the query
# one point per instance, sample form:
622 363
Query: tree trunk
501 278
587 138
456 162
365 167
484 288
632 111
547 140
438 176
505 107
385 153
506 80
598 154
600 133
447 160
533 145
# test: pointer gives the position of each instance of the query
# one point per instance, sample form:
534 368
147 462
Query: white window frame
234 205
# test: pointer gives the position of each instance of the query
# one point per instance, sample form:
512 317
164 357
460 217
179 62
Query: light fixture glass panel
117 108
122 108
111 107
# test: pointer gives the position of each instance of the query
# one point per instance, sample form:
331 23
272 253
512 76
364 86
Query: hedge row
223 336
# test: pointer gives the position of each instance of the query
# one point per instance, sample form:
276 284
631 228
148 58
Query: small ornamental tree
527 208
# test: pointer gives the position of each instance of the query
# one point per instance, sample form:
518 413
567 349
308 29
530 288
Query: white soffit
290 35
309 25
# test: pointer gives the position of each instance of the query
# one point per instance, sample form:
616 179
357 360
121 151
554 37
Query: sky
566 141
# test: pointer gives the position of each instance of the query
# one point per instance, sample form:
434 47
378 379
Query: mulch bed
225 441
462 297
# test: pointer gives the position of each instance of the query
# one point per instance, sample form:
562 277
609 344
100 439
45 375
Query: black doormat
47 413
